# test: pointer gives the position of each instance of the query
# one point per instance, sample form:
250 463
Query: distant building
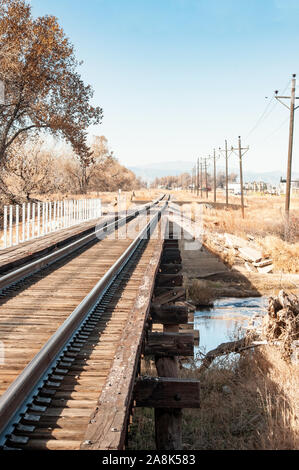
294 186
234 188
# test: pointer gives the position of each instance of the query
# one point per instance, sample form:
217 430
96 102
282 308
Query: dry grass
258 411
264 214
200 293
264 220
285 255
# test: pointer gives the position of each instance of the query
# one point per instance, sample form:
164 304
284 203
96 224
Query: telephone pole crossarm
292 109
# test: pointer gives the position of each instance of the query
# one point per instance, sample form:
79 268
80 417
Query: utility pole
197 178
206 175
292 109
193 178
240 149
201 178
215 198
226 172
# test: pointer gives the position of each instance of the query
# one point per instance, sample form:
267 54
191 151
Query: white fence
32 220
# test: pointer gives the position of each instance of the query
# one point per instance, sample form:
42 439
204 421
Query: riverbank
247 404
248 401
213 272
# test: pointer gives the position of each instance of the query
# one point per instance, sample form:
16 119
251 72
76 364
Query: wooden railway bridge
79 309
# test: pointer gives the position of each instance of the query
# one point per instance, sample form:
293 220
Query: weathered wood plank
170 268
15 256
168 314
250 254
165 392
170 296
168 421
169 280
170 344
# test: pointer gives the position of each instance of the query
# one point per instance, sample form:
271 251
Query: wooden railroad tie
165 392
174 257
170 344
170 280
169 314
170 295
170 268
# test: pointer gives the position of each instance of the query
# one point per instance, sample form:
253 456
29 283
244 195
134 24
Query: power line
277 129
261 117
264 114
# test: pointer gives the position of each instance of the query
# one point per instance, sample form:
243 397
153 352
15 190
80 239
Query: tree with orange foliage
43 90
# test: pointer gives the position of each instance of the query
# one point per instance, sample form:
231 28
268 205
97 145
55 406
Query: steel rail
31 268
15 399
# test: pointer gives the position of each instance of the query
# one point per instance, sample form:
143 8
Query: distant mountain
157 170
272 177
150 171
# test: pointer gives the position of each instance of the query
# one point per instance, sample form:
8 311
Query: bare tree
29 168
42 86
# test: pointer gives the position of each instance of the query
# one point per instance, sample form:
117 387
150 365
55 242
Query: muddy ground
231 281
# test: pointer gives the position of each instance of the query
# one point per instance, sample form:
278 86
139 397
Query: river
224 321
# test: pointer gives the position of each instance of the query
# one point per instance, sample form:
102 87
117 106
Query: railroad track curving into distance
61 318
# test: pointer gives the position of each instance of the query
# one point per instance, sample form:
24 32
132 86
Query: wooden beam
169 280
190 317
171 251
165 392
159 290
168 421
170 268
168 314
170 344
171 257
170 296
195 333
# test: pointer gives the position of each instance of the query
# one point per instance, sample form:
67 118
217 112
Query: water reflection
224 321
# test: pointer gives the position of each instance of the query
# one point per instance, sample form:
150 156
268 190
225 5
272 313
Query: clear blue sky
177 77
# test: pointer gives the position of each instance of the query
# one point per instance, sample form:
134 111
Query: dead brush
284 255
201 293
260 412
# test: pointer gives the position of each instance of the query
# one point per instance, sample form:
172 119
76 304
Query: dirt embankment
218 272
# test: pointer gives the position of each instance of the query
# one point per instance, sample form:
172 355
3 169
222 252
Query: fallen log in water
280 327
227 348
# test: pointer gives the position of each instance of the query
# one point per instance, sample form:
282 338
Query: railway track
60 320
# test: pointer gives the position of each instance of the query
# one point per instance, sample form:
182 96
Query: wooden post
241 177
201 178
226 174
197 178
214 175
168 421
206 171
290 151
239 149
